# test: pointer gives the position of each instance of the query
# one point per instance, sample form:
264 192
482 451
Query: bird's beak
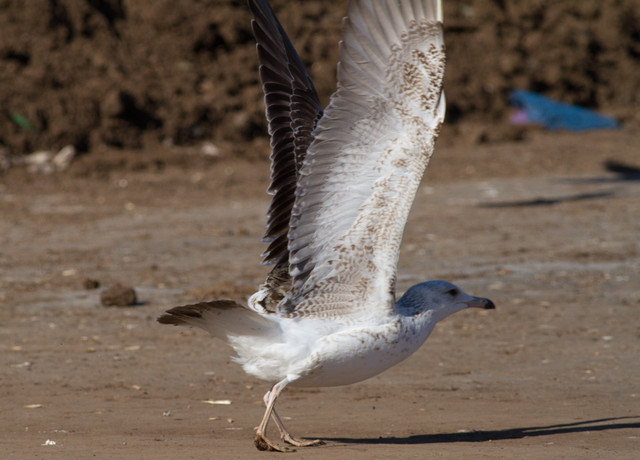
479 302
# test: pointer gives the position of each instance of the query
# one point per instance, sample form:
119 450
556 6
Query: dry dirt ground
547 227
542 227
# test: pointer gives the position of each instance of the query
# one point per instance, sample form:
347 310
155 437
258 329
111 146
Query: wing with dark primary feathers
292 110
343 180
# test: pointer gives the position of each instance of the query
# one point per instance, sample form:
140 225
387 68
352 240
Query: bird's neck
415 322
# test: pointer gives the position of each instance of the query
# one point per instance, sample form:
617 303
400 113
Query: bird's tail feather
221 318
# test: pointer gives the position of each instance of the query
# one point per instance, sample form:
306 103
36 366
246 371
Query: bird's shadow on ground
548 201
497 435
623 172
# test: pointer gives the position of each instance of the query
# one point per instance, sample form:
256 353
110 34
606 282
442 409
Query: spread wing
368 154
292 110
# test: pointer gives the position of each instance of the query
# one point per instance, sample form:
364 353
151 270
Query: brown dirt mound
132 74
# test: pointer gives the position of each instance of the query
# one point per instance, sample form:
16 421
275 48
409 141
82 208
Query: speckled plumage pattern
343 180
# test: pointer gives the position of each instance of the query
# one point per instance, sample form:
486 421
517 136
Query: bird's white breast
359 353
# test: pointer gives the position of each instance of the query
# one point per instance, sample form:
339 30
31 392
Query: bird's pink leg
261 441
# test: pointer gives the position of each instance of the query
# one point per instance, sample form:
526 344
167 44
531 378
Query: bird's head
441 298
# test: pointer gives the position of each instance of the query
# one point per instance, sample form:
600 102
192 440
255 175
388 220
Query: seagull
342 183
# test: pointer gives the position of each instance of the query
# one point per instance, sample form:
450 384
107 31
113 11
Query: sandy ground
540 227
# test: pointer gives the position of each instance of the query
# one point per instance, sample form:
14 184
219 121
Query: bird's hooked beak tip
479 302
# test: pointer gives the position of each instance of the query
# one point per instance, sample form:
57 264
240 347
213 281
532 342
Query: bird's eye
452 292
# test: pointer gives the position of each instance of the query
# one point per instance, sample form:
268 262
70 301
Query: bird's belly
356 355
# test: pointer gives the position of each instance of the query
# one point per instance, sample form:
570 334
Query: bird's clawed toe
301 442
263 443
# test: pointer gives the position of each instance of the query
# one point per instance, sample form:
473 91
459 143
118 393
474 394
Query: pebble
118 296
89 284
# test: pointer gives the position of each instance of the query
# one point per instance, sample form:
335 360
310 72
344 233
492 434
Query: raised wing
369 153
292 109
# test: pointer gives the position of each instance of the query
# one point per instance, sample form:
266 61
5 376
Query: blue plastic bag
551 114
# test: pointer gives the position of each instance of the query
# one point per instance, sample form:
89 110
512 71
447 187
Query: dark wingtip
489 305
